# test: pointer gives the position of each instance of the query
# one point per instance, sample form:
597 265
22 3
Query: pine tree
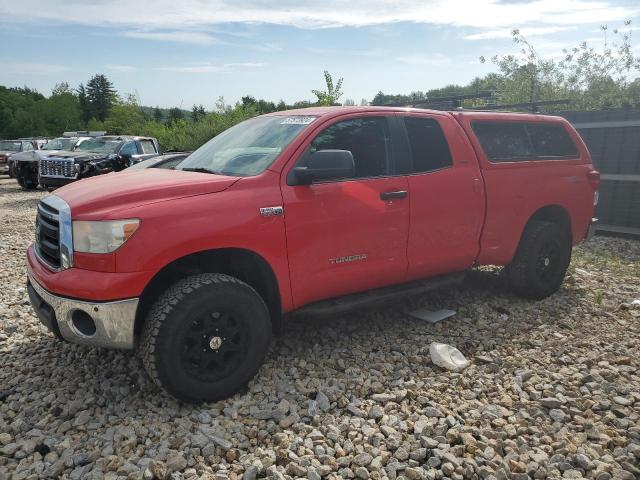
61 88
100 96
85 110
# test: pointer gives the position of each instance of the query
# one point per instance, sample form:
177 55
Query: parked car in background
168 160
10 147
315 210
25 164
96 156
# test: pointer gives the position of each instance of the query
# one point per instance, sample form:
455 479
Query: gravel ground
553 390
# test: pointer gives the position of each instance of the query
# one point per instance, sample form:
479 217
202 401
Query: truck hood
24 156
100 196
79 155
35 155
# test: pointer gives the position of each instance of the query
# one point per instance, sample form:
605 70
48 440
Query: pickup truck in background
311 210
95 156
9 148
25 164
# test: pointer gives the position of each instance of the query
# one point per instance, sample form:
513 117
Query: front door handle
392 195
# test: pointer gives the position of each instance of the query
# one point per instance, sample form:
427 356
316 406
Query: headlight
102 236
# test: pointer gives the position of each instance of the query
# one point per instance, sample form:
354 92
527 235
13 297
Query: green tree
96 125
590 77
197 113
60 89
175 114
261 106
59 113
398 99
124 119
248 101
85 109
100 96
332 94
157 114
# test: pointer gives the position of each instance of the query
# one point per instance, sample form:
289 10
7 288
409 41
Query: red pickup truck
316 210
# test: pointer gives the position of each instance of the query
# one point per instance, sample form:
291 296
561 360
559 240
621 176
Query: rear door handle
392 195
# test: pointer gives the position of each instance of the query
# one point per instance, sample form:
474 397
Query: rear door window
429 147
504 142
551 141
520 141
147 146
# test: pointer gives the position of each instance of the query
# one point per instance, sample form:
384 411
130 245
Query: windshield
8 145
247 148
100 145
60 144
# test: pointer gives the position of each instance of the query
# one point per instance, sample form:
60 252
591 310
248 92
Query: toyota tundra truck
314 210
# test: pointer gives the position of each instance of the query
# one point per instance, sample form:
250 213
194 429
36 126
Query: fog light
83 323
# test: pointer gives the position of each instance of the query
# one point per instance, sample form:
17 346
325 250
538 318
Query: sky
184 52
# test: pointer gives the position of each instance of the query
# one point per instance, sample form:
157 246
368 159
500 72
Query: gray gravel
553 390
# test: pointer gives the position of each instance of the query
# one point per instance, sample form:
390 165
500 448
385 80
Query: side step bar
370 298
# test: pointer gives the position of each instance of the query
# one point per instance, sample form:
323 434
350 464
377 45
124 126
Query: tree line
97 105
586 77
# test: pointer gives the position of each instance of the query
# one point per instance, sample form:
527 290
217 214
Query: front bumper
114 321
56 181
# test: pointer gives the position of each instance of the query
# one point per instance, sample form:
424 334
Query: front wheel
26 183
206 337
541 260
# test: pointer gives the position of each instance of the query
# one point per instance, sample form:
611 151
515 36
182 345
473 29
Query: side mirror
325 165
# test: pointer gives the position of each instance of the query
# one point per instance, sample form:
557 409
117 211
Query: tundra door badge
272 211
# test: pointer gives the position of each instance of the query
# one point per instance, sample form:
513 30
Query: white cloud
209 67
437 60
268 47
117 67
244 65
34 68
187 15
506 32
196 38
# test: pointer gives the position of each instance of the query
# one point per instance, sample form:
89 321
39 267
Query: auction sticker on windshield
298 120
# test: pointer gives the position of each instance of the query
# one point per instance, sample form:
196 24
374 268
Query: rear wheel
206 337
541 260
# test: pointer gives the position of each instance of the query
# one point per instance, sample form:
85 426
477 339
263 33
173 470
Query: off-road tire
541 261
180 312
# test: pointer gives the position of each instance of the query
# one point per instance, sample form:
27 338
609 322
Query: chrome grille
57 168
48 235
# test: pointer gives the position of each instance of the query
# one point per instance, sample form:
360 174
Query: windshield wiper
200 170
